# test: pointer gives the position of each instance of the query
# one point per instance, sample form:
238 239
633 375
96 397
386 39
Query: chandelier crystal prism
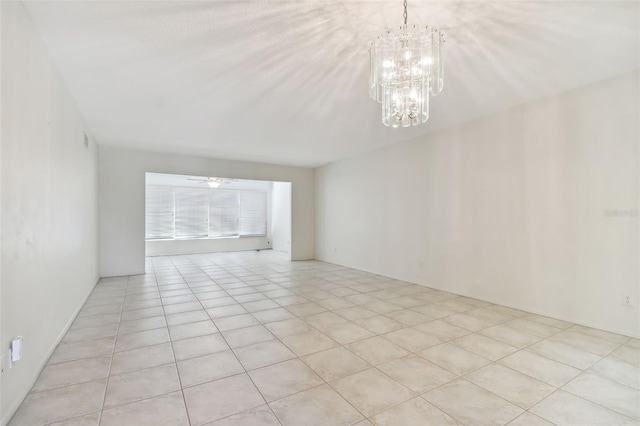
406 70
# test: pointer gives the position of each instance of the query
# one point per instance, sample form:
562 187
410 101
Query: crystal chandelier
406 68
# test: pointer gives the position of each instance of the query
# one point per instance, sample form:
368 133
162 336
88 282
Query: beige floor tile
528 419
541 368
319 406
355 313
456 304
335 363
194 329
547 321
484 346
628 353
142 338
85 349
260 305
220 302
324 320
59 404
600 334
136 314
138 359
565 354
377 350
173 300
249 297
207 295
187 317
468 322
182 307
432 311
510 336
195 371
335 303
199 346
273 315
382 306
406 301
72 372
221 398
308 342
360 299
347 333
379 324
92 419
100 310
412 339
235 322
263 354
442 330
408 317
616 370
143 324
507 310
563 408
165 410
141 384
453 358
371 391
283 379
290 300
585 342
517 388
259 416
416 411
533 327
304 309
96 320
288 327
247 336
226 311
489 315
471 404
612 395
90 333
416 373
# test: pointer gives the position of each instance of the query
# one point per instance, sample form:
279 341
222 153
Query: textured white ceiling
285 82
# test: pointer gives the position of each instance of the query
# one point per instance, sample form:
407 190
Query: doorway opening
187 214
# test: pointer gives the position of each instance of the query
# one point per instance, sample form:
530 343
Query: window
253 213
159 212
202 213
223 213
192 213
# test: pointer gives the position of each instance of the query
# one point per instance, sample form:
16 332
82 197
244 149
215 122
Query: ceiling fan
214 182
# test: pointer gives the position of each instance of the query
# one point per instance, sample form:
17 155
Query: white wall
281 216
122 186
49 205
509 208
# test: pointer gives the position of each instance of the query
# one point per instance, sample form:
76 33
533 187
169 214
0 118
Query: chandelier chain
405 13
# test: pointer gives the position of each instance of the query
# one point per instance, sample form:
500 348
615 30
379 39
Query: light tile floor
252 339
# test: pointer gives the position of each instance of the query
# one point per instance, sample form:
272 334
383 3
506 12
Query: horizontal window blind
253 213
200 213
159 205
223 213
192 213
